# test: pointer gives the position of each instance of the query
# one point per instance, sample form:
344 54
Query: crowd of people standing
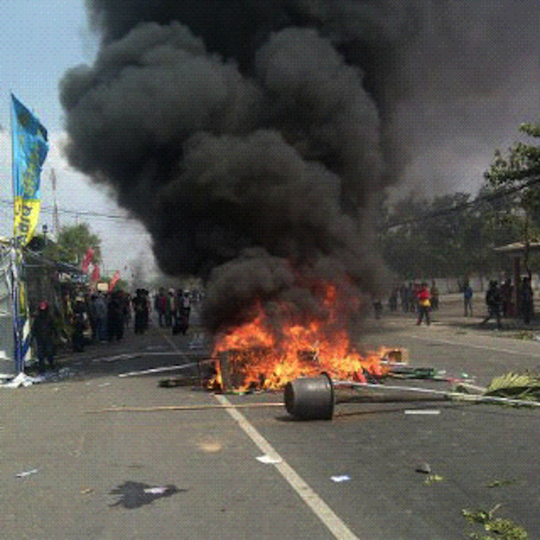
415 297
104 317
173 309
502 301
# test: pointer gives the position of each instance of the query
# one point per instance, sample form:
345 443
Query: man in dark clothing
467 299
100 312
160 305
43 332
140 307
80 320
115 318
493 301
527 300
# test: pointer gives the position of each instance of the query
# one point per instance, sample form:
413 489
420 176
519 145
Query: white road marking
158 370
470 345
330 519
334 524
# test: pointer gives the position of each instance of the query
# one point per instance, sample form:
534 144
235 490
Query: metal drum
310 398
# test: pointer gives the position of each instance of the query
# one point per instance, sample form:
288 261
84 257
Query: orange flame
262 357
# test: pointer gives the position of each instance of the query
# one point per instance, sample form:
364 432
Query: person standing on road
424 304
146 296
414 289
377 307
115 318
160 304
100 312
392 300
434 296
140 307
169 307
527 300
467 299
43 332
493 302
404 296
507 294
80 323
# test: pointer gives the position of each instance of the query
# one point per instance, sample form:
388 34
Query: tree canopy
451 235
518 170
73 243
454 235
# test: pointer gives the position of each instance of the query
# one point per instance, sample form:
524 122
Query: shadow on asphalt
136 494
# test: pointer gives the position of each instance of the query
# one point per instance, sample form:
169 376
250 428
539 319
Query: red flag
96 274
114 281
87 260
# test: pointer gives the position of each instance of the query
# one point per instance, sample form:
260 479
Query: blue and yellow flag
30 149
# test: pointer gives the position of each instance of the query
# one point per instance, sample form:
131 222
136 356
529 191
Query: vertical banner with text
30 147
29 150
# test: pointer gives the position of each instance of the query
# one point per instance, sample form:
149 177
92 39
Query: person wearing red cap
43 332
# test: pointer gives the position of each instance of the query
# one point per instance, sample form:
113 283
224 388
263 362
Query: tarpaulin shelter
7 343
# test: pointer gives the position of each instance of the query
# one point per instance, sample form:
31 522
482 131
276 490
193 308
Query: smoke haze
255 139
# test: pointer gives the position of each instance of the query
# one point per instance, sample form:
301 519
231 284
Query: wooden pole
185 408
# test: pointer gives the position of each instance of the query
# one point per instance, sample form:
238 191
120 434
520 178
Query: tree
452 235
72 245
519 171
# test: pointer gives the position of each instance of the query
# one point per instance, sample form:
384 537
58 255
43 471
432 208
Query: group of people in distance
103 317
86 317
414 297
173 309
500 301
407 296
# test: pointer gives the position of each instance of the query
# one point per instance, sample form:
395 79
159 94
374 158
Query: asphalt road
93 467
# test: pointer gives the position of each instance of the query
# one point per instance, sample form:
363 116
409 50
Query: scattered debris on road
524 386
503 528
160 408
424 468
503 483
156 490
115 358
433 479
173 382
339 479
27 473
178 367
314 398
421 412
269 460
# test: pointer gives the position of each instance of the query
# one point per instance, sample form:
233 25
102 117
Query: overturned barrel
310 398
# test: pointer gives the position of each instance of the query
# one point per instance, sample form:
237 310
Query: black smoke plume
255 139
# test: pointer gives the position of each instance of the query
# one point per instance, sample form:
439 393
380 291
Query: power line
497 194
87 213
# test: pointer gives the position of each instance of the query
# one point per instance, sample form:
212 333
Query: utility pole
56 220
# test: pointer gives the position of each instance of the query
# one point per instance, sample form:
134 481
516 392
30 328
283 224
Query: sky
39 41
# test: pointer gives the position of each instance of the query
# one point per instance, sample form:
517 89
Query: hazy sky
39 40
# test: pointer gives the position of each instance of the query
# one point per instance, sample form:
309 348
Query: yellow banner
25 218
